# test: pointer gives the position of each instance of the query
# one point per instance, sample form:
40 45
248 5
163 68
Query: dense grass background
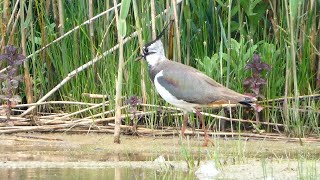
220 36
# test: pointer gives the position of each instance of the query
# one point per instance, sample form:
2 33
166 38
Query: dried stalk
48 5
78 70
106 112
55 11
91 31
14 118
84 131
189 40
229 43
176 23
313 35
13 30
293 60
61 18
215 116
4 23
39 137
53 102
301 98
95 96
318 70
170 44
12 15
153 20
81 111
119 80
67 124
274 19
27 78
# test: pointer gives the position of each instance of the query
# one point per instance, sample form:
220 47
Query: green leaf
123 15
37 40
294 4
186 11
26 22
221 3
124 9
122 27
235 45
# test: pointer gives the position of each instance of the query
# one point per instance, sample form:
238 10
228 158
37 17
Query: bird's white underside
167 96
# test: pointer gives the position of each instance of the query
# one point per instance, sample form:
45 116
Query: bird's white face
154 52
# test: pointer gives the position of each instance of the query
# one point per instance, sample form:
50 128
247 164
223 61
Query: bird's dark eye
145 50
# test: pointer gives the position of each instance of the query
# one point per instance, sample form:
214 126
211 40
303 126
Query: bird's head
153 52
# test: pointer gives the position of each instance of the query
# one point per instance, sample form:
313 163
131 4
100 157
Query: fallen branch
280 100
53 102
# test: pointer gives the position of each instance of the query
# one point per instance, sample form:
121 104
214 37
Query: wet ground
95 156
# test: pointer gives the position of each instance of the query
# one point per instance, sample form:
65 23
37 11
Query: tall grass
217 37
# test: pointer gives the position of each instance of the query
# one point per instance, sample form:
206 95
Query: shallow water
87 173
61 156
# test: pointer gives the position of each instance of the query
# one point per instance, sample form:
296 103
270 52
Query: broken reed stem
106 112
27 78
153 20
13 29
61 18
4 22
95 96
118 101
53 102
12 15
215 116
176 23
55 12
91 31
82 110
292 28
229 43
78 70
189 40
301 98
291 109
66 124
318 70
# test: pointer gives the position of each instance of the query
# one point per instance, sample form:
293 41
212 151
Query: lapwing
186 87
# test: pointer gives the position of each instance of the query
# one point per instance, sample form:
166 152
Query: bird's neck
154 59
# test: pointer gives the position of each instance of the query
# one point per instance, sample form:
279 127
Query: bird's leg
184 125
206 137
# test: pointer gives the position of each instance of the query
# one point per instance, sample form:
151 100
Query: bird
186 87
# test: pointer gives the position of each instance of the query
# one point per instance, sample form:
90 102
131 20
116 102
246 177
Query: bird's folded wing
195 87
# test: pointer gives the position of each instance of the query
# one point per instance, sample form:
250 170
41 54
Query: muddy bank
100 147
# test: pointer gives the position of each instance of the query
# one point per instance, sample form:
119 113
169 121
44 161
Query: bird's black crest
159 35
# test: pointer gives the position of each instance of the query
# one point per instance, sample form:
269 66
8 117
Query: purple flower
256 65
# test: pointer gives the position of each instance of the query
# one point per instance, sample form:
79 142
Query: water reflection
102 173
